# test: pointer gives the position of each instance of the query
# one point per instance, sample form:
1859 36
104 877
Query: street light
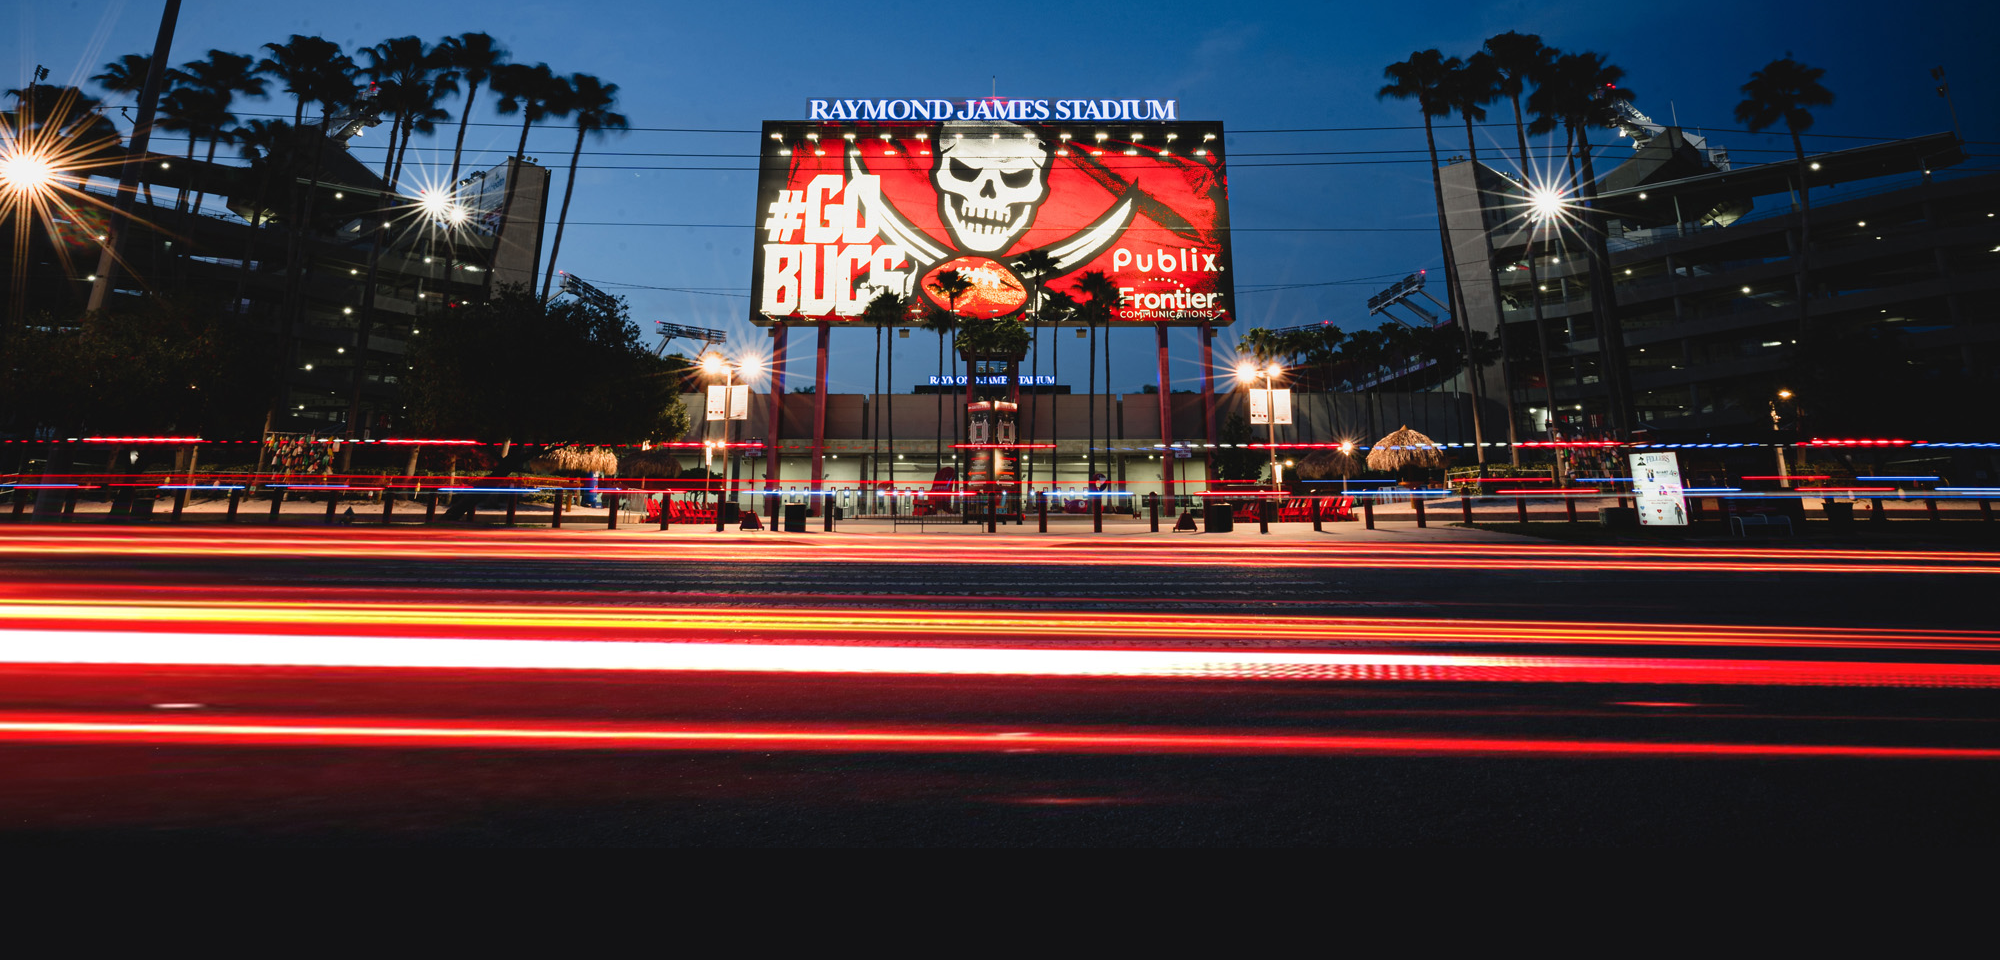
716 365
1777 427
1248 372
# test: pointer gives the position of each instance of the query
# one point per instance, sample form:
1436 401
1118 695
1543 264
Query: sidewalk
1392 524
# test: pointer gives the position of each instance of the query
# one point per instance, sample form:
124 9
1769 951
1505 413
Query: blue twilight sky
1278 67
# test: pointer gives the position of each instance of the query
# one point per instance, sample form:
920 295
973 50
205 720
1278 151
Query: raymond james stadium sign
990 108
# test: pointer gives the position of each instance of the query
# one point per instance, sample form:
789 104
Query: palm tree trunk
1603 300
181 196
1500 322
1055 407
402 151
1535 289
202 192
549 275
521 150
389 162
875 424
1457 302
891 376
1090 405
1109 429
937 440
1802 264
471 93
1034 399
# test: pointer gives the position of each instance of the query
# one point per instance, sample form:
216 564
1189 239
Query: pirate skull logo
990 179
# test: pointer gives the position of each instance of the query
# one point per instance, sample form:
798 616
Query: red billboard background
848 210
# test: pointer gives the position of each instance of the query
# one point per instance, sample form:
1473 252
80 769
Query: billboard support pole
1166 416
1208 395
819 418
773 429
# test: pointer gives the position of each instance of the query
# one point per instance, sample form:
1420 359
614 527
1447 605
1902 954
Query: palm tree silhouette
313 70
1035 267
219 79
1785 91
1521 59
885 310
1580 91
474 57
950 285
1057 307
191 112
411 79
534 92
127 75
1474 84
1103 294
590 101
1426 78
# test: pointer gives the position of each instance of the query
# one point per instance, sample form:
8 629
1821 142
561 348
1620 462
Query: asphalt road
337 686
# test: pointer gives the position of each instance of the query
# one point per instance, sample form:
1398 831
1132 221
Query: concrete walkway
1393 523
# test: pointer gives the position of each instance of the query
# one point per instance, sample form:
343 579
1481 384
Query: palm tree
1579 92
1057 307
1103 293
1426 78
950 285
885 310
313 70
1320 348
271 148
1035 266
590 101
219 78
191 112
474 57
127 74
1522 59
1473 85
534 92
1785 91
411 79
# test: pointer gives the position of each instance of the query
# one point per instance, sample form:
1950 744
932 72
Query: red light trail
1053 550
392 732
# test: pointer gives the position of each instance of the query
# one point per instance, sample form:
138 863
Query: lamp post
715 364
1778 445
1249 373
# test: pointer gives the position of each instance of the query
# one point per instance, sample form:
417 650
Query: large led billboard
848 210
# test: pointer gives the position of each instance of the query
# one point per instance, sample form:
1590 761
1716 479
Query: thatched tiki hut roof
576 460
1328 464
660 463
1405 449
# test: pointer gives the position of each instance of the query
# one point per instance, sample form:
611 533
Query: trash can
1618 518
1218 518
729 510
795 518
1840 512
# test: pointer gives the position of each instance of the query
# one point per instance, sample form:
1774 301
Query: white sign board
1656 488
1260 406
728 403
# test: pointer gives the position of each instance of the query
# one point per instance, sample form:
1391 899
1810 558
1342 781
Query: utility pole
142 134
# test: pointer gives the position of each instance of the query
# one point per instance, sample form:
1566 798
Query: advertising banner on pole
849 210
728 403
1656 489
1260 406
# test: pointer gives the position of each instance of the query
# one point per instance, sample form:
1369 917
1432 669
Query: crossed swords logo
991 180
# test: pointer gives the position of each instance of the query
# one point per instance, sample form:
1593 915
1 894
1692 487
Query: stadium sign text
990 108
